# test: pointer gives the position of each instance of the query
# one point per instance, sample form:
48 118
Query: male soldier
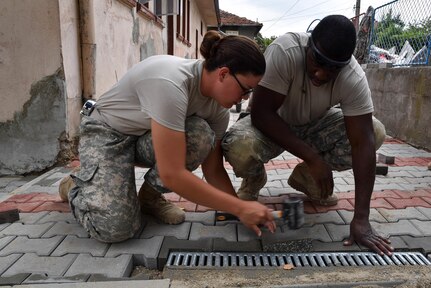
314 102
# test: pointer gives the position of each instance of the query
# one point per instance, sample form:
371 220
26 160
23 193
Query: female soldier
169 114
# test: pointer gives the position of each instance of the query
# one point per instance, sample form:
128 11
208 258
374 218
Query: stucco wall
32 91
54 53
122 38
402 99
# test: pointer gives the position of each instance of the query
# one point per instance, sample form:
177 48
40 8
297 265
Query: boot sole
321 202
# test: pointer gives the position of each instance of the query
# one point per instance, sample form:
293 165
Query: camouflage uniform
247 149
104 199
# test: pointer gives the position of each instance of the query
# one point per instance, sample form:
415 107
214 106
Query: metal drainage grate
229 259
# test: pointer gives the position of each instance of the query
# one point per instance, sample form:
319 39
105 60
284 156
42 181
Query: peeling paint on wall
148 49
135 31
30 142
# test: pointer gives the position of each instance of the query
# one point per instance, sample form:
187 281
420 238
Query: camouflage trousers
104 199
247 149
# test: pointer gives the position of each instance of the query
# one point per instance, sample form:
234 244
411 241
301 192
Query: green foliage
391 31
264 42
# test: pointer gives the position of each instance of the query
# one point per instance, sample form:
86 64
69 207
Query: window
145 9
166 7
183 22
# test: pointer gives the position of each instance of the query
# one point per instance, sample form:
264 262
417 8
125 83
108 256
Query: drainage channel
264 260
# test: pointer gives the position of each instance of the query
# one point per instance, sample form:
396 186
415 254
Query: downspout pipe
217 10
88 48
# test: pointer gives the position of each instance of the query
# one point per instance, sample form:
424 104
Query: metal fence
400 33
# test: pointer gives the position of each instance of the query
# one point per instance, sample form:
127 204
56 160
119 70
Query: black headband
323 60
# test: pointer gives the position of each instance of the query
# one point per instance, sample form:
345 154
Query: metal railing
401 33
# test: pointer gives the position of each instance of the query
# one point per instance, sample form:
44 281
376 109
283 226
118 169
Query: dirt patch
389 276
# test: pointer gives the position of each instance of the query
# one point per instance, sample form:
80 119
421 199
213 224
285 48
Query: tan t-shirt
164 88
304 102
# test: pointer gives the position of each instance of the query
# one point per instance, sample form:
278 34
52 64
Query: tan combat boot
251 186
301 180
154 203
66 184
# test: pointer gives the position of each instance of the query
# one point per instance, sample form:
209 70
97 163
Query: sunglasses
245 91
324 61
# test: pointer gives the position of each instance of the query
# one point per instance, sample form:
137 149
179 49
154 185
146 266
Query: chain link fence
399 33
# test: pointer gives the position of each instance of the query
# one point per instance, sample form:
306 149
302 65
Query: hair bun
209 43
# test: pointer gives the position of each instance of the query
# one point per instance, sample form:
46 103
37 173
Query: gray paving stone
31 218
422 173
199 231
6 240
22 244
345 188
347 180
48 181
346 173
320 218
37 188
7 261
338 232
153 228
74 245
264 192
58 217
339 180
206 218
411 187
319 246
425 211
395 173
120 266
3 226
398 243
282 191
3 196
274 184
144 251
418 243
13 280
31 263
423 226
30 230
391 186
245 234
375 216
44 279
160 283
417 180
64 228
387 180
400 228
222 245
103 278
399 214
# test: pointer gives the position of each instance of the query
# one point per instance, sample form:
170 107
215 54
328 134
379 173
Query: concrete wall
402 100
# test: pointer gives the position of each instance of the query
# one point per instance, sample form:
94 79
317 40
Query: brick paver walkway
47 245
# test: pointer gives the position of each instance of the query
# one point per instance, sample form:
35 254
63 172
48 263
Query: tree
387 31
264 42
391 31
